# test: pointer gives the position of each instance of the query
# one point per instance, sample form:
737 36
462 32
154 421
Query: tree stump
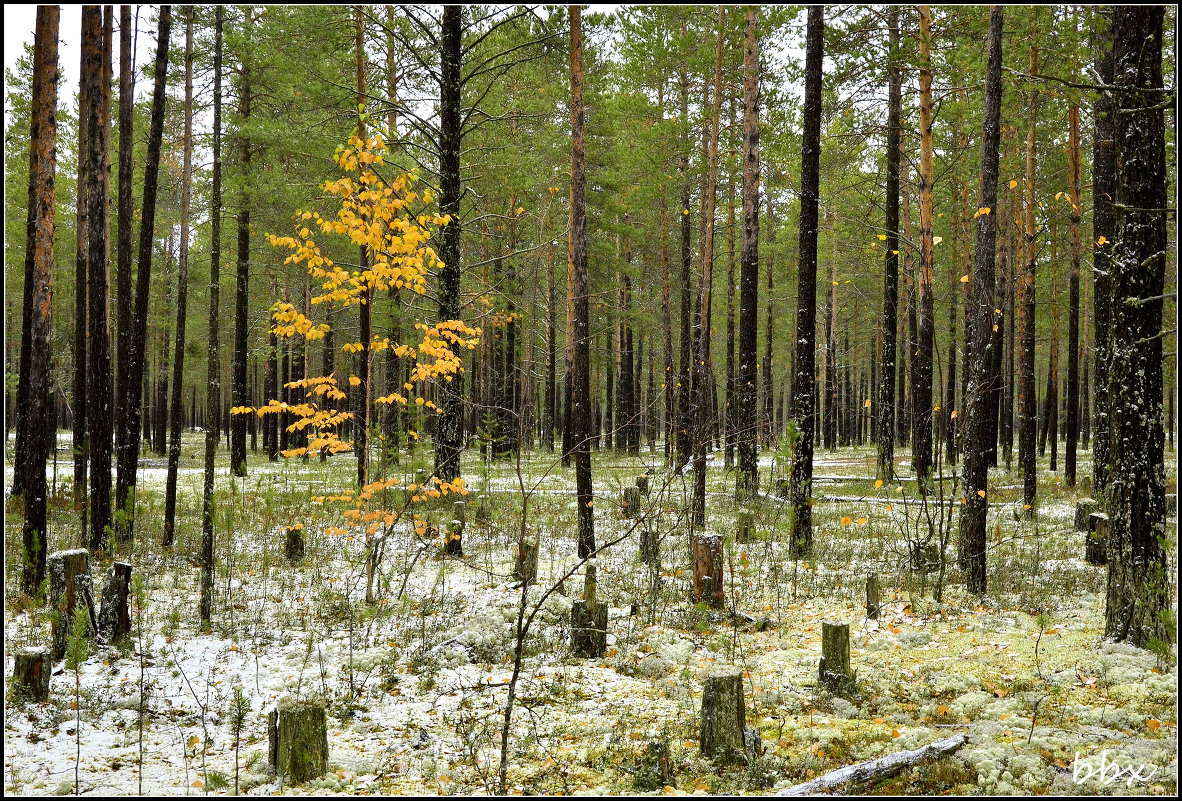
642 483
1083 510
746 527
526 568
834 670
588 629
872 596
723 714
30 675
707 563
69 585
297 734
650 547
630 503
114 619
293 543
1096 539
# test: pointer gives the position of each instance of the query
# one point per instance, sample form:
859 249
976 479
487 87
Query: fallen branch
877 769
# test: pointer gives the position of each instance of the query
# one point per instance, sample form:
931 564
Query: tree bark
1138 597
1103 238
131 361
979 324
580 381
214 372
921 365
890 294
1027 403
40 428
97 70
804 366
746 411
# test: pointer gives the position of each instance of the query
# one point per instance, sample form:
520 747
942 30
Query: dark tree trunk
125 396
921 365
81 415
746 411
703 380
684 420
238 396
1103 236
214 372
580 379
131 361
96 45
1138 598
1072 391
1027 403
890 293
449 437
804 363
980 318
174 445
38 417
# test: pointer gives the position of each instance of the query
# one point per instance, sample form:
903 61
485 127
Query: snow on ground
417 682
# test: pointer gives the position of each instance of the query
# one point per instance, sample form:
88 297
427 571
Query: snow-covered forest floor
416 683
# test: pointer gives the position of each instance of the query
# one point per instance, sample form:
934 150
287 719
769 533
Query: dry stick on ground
877 769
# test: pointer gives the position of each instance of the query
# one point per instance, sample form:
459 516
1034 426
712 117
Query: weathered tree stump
588 629
293 543
30 675
526 568
873 592
723 714
69 585
650 547
114 619
642 483
630 503
1096 539
834 670
746 527
1083 510
707 562
298 740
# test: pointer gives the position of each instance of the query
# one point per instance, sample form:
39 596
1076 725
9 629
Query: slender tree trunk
81 264
768 389
580 383
365 308
1139 603
703 379
804 364
1072 391
1027 406
746 411
238 396
174 445
685 379
40 430
125 396
214 372
1103 238
96 43
921 366
449 438
131 361
979 322
890 294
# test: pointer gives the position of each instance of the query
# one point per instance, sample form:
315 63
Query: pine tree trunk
131 361
979 322
97 71
890 295
746 410
804 362
125 328
1138 597
238 396
1103 237
40 431
580 381
1072 391
214 373
81 264
1027 403
921 366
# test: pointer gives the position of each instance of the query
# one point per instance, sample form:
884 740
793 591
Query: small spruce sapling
239 709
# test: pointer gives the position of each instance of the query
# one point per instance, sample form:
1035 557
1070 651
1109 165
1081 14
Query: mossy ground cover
417 682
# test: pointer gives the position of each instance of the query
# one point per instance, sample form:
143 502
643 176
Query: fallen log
877 769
